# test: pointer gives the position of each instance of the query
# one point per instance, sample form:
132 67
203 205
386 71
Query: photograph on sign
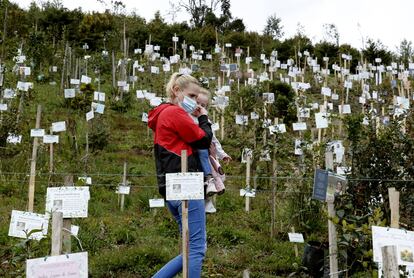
268 98
185 186
72 201
336 186
246 153
22 223
320 185
73 265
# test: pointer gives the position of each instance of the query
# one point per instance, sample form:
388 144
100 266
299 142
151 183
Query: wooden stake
333 246
295 245
57 224
184 220
124 183
33 162
390 262
247 204
394 197
51 156
67 222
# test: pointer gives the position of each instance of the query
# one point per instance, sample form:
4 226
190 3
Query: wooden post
33 162
57 224
295 245
51 155
67 222
247 203
184 220
222 125
390 262
124 183
394 197
333 246
113 70
274 184
62 79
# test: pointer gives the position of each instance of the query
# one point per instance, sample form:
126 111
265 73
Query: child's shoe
211 187
209 206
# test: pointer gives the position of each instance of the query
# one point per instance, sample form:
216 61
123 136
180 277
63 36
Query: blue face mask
188 104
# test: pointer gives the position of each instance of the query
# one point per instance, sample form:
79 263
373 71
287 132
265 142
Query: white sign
123 189
90 115
3 106
85 79
69 93
14 139
299 126
9 93
156 203
72 201
404 240
69 266
37 132
22 223
296 237
321 120
144 117
59 126
50 139
74 82
247 192
242 119
184 186
279 128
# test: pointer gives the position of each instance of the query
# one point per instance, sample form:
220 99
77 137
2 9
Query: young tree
273 27
331 33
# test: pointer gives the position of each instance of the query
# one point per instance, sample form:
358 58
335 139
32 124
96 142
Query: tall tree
198 9
273 27
405 51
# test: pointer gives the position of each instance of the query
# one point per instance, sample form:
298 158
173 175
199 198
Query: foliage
273 27
98 135
376 49
82 100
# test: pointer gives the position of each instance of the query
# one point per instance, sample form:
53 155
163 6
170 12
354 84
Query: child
209 159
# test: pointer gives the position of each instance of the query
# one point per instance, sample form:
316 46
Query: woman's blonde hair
181 81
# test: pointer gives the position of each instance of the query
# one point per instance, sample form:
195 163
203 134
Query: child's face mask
188 104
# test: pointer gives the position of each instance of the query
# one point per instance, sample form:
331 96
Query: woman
174 131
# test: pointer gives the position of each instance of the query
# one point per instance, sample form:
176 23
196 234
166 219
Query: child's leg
205 162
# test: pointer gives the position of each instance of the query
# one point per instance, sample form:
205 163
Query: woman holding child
174 130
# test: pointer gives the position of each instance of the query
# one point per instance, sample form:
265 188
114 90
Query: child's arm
221 154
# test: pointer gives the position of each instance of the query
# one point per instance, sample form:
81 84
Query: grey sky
386 20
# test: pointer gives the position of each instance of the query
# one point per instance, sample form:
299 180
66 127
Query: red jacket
174 130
